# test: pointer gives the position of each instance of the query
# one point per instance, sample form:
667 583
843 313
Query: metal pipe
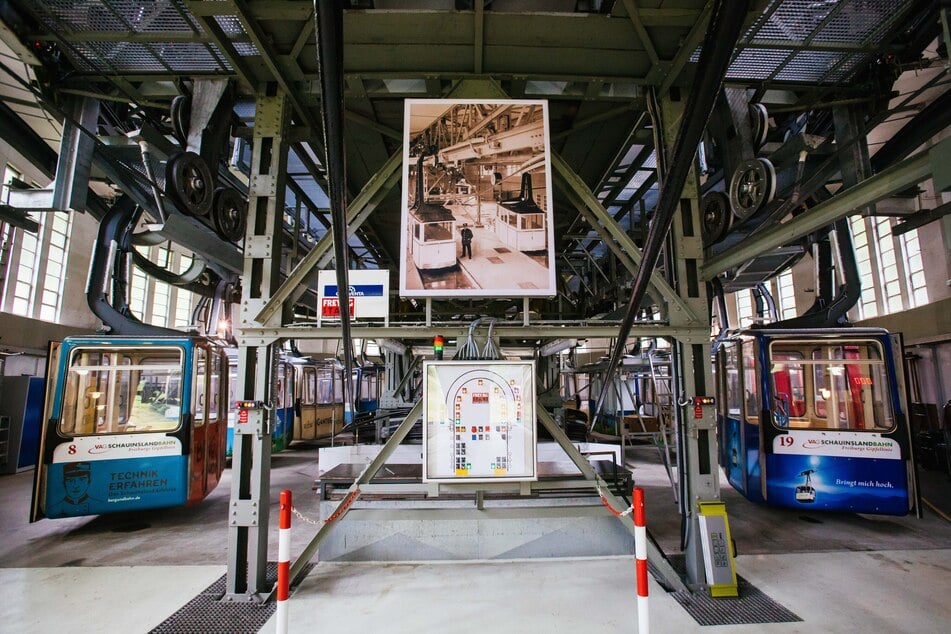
329 17
726 22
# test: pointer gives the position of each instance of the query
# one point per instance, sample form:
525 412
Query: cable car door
901 387
202 413
42 462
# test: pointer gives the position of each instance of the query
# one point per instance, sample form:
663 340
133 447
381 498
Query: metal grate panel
157 16
207 614
792 21
752 606
183 57
858 22
809 66
756 63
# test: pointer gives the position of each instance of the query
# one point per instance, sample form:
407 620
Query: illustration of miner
76 479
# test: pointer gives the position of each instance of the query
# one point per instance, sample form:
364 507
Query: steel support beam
900 176
251 458
664 572
259 335
676 305
76 148
698 476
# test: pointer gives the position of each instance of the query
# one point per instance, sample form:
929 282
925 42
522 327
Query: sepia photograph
477 215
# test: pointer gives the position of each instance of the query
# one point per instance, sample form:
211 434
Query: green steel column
251 457
697 438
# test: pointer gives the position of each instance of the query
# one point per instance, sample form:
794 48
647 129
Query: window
309 386
867 306
731 369
786 294
744 308
325 386
109 391
830 385
888 266
789 393
51 289
914 269
750 383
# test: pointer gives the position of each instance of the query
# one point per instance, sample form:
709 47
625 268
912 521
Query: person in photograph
466 234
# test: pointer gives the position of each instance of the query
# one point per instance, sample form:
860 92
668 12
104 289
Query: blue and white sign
369 294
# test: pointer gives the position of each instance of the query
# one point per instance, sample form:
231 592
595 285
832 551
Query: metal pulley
715 217
229 213
759 120
752 187
190 183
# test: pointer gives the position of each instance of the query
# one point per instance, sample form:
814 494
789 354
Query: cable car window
750 384
201 377
789 393
118 391
214 398
325 386
533 221
850 387
732 372
284 388
309 387
438 231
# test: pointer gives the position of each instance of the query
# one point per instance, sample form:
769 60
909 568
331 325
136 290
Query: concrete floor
838 572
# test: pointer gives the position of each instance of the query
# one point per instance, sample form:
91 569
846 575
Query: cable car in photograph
131 423
827 405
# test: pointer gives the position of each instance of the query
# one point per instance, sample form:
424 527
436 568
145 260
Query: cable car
521 222
318 403
827 405
131 423
283 408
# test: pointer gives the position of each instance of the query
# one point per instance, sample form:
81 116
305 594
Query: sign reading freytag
477 199
369 293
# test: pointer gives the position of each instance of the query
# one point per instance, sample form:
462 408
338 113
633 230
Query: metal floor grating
752 606
206 614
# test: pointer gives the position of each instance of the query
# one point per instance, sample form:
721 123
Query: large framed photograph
477 199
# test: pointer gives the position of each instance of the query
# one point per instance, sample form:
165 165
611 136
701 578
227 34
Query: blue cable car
816 418
131 423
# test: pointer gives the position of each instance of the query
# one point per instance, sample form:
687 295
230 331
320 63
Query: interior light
95 394
836 370
825 394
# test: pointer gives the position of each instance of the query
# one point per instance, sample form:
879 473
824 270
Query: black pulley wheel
716 215
759 120
752 187
190 183
181 116
229 213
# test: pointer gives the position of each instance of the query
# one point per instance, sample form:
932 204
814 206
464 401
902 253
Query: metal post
690 365
251 461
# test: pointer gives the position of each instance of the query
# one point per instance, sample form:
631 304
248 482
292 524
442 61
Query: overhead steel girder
677 305
357 212
693 334
900 176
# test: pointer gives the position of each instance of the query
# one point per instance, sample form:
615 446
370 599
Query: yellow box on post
717 549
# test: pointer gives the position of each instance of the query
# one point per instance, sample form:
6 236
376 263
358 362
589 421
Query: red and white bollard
283 562
640 559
